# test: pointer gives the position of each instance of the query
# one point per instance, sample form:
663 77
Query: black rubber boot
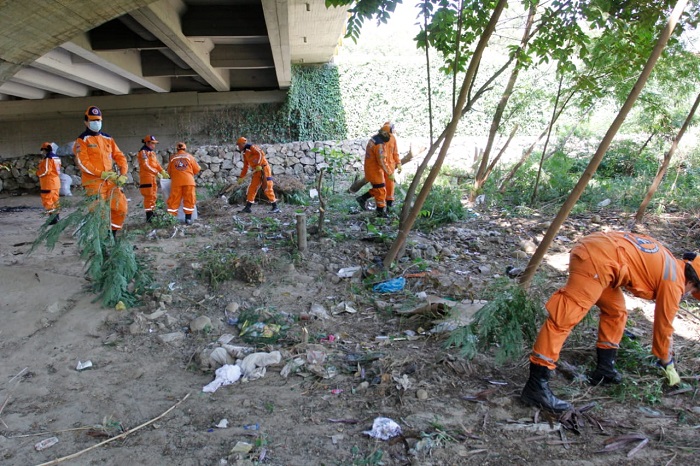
274 208
188 219
381 212
537 392
54 220
389 205
149 216
605 372
246 209
114 234
362 200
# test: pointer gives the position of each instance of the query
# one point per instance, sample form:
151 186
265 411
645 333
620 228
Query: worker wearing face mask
96 153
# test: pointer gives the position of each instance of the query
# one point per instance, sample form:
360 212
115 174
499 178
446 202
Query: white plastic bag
165 192
66 181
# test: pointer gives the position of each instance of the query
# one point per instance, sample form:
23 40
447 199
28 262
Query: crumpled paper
384 428
225 375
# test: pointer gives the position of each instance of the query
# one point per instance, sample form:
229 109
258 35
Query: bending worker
96 153
376 170
393 162
254 158
600 265
183 189
150 171
49 172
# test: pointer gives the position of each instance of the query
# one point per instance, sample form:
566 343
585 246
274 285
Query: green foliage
642 380
338 163
217 265
624 160
314 109
509 322
111 265
442 206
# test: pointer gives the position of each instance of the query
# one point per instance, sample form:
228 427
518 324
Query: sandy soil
386 364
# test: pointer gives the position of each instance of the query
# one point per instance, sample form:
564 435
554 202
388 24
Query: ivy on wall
314 107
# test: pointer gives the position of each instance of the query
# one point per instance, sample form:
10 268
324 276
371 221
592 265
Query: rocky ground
342 356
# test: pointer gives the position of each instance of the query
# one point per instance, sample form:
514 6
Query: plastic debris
383 428
255 426
254 365
46 443
83 365
223 424
225 375
348 272
604 203
390 286
242 447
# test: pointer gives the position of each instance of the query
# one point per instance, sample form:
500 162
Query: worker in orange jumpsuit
150 170
96 153
261 174
600 265
376 170
393 162
49 172
182 169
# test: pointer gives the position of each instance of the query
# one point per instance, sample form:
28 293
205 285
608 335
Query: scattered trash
292 366
383 428
83 365
120 306
539 427
313 193
262 326
348 272
46 443
254 365
242 447
390 286
318 311
337 391
328 339
422 295
604 203
255 426
343 307
223 424
225 375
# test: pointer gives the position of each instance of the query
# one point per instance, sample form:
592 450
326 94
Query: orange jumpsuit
49 171
392 161
254 157
149 168
182 168
96 153
599 266
376 169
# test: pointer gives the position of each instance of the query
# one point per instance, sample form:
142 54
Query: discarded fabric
225 375
390 286
384 428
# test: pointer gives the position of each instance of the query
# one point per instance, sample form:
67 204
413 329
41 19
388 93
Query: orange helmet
694 260
241 142
47 146
181 146
150 138
388 127
93 113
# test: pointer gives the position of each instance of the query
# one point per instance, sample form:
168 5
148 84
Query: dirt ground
372 357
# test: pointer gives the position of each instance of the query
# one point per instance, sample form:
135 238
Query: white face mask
95 125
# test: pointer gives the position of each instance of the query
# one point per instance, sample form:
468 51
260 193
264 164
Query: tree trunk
538 256
664 164
411 216
482 172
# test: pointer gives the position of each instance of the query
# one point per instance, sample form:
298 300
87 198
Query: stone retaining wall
220 164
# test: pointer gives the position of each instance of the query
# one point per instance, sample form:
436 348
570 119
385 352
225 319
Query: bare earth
451 410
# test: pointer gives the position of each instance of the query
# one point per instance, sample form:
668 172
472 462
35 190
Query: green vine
314 107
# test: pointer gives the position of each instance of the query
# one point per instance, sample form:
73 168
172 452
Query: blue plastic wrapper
390 286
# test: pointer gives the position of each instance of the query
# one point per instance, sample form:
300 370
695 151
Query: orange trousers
149 191
49 199
570 304
118 204
263 177
185 195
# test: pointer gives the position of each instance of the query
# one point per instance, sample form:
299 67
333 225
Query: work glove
670 373
121 180
398 168
239 181
258 169
109 176
391 177
164 175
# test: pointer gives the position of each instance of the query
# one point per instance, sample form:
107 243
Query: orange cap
93 113
150 138
47 146
181 146
388 127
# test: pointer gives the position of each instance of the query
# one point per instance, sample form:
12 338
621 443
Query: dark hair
690 274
